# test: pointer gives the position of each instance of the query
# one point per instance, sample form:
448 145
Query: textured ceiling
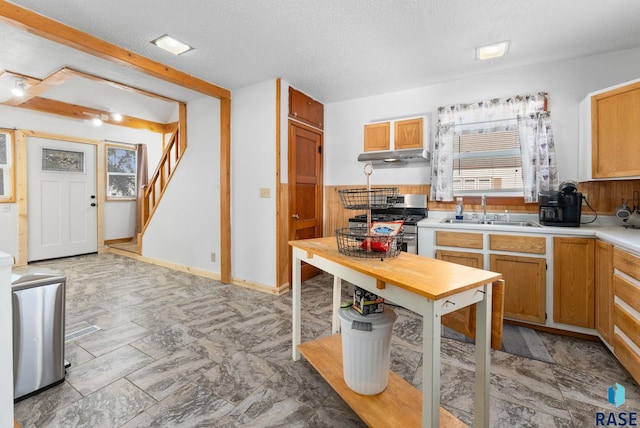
339 49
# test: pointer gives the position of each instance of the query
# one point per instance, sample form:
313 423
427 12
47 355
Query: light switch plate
265 192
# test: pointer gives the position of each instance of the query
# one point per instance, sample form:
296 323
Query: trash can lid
380 319
30 278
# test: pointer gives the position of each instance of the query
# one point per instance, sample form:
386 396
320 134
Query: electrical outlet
585 198
265 192
213 257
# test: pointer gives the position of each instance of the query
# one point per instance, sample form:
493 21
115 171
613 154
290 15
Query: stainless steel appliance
38 303
562 207
411 208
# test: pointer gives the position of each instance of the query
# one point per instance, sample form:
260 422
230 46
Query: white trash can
366 349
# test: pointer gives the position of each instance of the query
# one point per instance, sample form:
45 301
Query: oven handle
408 237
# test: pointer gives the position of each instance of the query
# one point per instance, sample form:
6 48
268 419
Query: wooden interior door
305 186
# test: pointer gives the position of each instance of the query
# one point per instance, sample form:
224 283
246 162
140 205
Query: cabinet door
377 136
408 134
525 293
305 109
462 320
604 290
573 281
615 132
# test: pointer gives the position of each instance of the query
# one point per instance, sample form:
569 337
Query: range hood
396 157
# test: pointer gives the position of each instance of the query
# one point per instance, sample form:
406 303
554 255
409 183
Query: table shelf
399 405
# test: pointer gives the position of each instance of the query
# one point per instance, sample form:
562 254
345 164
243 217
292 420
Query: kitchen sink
493 222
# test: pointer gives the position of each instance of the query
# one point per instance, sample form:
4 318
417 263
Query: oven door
410 240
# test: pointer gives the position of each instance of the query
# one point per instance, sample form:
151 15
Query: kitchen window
487 161
122 168
501 145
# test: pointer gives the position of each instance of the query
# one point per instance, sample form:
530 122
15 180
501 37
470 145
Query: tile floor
178 350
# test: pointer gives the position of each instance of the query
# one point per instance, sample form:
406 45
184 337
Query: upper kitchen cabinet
408 134
396 142
610 134
305 109
377 136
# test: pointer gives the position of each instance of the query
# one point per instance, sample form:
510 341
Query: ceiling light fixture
495 50
116 116
19 90
96 121
172 45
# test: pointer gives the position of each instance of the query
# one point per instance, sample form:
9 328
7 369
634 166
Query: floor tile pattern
178 350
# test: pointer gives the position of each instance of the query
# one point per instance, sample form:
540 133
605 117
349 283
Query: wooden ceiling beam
85 113
48 28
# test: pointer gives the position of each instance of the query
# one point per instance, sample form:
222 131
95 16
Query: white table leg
483 359
430 366
337 296
296 308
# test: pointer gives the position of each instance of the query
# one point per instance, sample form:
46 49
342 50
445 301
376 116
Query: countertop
606 228
431 278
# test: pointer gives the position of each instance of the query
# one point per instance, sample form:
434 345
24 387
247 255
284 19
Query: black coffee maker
562 207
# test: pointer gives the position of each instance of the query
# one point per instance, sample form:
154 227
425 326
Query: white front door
62 213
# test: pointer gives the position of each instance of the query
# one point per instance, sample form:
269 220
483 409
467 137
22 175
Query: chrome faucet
484 206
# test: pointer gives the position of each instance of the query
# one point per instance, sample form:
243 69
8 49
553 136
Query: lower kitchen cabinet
463 320
626 333
525 286
573 281
604 290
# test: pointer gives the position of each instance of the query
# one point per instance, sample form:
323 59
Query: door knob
295 216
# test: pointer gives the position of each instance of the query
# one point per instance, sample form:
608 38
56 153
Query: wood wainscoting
336 216
605 196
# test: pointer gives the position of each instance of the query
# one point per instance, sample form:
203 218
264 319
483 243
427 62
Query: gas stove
410 208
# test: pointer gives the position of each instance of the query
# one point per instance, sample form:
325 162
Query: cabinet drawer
627 263
519 244
627 323
459 239
627 291
629 359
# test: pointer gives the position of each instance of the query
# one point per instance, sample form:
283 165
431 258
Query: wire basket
364 199
357 242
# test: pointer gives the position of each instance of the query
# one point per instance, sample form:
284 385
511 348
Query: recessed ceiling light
172 45
495 50
116 116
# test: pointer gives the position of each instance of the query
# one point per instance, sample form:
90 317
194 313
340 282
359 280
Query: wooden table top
434 279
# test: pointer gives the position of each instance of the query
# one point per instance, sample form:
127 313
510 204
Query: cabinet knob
296 216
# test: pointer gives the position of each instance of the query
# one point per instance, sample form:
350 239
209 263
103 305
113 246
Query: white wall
253 166
115 214
185 228
567 83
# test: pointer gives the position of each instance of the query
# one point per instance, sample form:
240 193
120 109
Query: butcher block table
429 287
